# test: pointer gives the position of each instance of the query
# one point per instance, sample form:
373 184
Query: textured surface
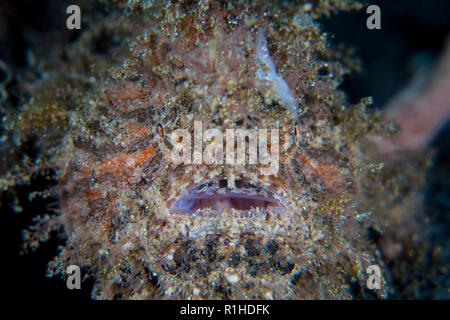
94 120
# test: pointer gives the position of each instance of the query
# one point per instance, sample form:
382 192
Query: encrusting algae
146 227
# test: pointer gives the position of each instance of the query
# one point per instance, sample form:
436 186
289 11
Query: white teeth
212 198
218 202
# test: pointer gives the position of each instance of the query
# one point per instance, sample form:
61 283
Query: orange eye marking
296 130
160 130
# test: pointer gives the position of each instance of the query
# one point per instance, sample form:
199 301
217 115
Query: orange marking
160 130
329 174
92 195
137 131
122 162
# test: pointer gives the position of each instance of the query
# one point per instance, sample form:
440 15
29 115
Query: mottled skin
117 181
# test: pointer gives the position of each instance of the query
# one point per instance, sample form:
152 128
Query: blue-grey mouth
191 203
213 201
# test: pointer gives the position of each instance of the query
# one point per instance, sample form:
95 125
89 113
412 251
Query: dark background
412 37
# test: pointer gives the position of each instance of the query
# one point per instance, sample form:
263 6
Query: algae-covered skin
104 127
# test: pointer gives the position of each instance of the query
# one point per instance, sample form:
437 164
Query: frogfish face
229 223
217 162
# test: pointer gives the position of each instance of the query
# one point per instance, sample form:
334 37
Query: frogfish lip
212 201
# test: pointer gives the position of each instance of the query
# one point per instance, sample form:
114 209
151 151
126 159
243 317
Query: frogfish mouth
213 197
230 228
